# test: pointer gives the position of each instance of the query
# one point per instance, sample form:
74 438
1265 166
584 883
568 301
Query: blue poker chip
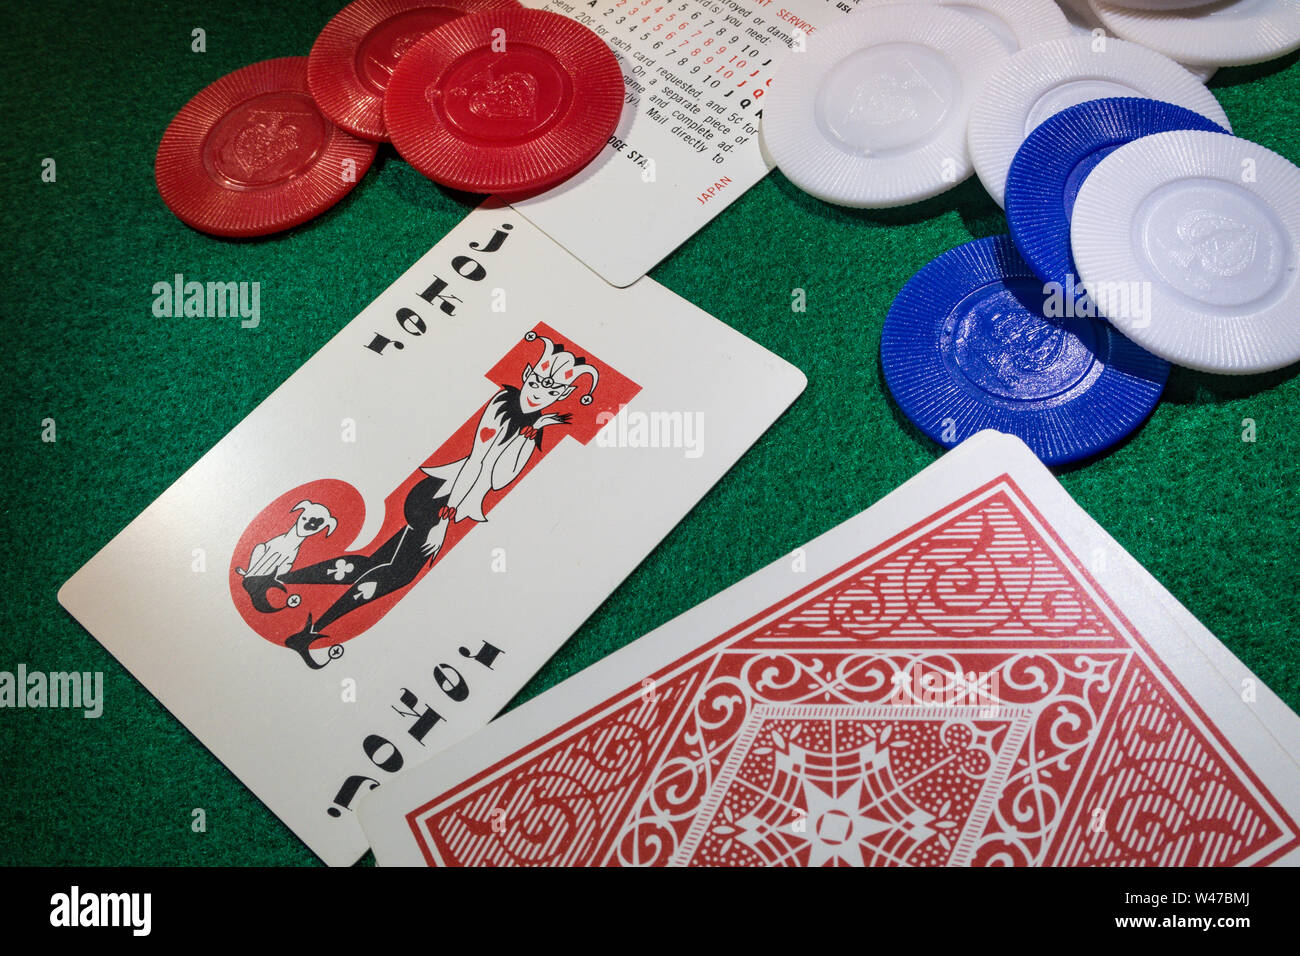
1051 165
969 345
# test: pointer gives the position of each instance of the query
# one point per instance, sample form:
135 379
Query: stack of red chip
354 57
479 95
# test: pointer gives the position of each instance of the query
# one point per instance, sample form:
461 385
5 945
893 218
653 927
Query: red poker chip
355 55
512 120
252 154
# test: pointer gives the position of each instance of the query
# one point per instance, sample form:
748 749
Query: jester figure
509 431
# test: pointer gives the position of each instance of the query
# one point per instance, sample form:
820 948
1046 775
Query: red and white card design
969 673
375 561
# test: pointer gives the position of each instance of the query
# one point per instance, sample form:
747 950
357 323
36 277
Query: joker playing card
970 673
374 561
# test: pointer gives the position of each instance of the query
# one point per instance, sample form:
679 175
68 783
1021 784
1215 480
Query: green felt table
137 399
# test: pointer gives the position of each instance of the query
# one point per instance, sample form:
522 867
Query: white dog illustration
276 556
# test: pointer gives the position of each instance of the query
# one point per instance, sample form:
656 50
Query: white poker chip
873 114
1233 33
1017 23
1083 22
1187 242
1040 81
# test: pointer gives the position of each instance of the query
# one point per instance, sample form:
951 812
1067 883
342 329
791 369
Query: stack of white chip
1083 22
1039 82
899 101
1206 34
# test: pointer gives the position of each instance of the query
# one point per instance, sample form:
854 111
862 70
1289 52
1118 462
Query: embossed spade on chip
1210 224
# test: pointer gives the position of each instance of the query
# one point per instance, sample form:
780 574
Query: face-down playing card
969 673
373 562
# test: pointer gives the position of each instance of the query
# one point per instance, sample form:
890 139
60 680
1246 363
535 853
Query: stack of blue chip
996 333
1056 158
973 342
